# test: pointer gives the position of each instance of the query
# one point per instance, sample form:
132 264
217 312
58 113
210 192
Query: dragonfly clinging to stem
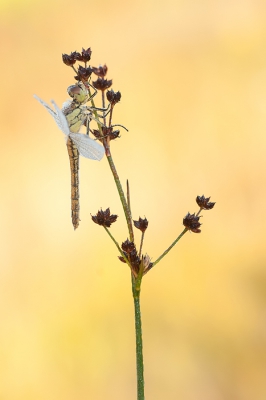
69 120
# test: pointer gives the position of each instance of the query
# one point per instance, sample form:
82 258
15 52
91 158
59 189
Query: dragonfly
69 120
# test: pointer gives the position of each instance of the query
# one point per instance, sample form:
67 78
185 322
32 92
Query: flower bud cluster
70 59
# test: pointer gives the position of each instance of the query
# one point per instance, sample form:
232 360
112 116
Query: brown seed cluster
130 253
106 132
191 222
70 59
104 218
83 74
100 71
113 97
204 202
141 224
102 84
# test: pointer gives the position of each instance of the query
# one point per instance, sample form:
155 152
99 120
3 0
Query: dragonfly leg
95 92
122 126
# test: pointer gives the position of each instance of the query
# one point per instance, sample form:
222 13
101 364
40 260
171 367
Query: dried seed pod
104 218
141 224
85 55
83 73
191 222
128 246
102 84
113 97
204 203
69 59
106 131
100 71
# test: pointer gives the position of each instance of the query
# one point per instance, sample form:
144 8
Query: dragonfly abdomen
74 169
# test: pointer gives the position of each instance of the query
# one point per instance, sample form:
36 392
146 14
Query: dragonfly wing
87 147
57 115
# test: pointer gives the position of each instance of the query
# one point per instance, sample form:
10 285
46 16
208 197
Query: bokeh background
193 80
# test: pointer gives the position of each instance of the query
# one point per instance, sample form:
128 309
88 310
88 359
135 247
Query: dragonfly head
78 93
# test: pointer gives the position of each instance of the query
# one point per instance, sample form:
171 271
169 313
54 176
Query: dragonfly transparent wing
57 115
87 147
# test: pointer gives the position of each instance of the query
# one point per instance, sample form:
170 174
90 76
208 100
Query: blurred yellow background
193 80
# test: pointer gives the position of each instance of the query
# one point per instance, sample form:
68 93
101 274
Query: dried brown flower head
106 131
113 97
85 55
134 260
102 84
104 218
100 71
69 59
83 73
131 255
128 246
204 203
191 222
141 224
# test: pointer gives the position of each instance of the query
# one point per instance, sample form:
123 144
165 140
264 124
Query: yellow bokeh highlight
193 82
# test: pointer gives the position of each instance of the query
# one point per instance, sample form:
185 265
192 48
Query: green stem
170 247
141 242
95 112
122 197
139 346
117 245
115 175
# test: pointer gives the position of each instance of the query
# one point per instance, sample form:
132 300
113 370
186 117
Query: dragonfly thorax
75 115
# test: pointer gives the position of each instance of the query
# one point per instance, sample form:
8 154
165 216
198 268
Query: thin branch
170 247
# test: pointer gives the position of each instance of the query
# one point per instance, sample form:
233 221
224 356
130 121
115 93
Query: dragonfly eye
78 93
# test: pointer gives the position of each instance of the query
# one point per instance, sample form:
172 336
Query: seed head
113 97
191 222
100 71
141 224
134 261
102 84
69 59
204 203
104 218
128 246
85 55
131 255
106 131
83 73
147 263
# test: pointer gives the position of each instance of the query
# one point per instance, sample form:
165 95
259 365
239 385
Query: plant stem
136 282
128 200
170 247
117 245
139 346
141 242
122 197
